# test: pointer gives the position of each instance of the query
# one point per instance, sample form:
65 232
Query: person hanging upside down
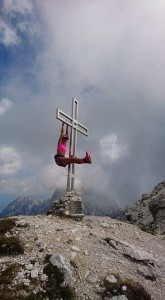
60 158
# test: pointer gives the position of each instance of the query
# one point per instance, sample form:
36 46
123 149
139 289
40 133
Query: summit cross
76 127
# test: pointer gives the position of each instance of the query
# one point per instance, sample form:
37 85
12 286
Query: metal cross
75 127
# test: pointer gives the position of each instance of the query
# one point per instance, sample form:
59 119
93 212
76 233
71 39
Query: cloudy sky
109 55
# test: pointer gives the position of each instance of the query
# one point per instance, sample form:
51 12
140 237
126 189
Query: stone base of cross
68 205
76 127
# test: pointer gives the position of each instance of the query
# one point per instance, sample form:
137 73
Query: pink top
61 147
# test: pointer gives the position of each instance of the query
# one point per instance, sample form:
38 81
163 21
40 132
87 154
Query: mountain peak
26 206
149 211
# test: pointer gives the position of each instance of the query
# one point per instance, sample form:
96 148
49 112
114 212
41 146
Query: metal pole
74 135
69 167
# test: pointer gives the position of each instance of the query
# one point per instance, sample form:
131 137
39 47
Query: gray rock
111 279
20 275
121 297
26 284
145 196
131 250
73 255
29 267
41 244
87 273
25 281
100 290
157 208
75 248
93 278
85 252
64 268
44 277
105 225
124 288
21 223
34 273
146 272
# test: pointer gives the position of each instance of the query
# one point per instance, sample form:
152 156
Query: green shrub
7 224
53 285
135 291
10 245
7 275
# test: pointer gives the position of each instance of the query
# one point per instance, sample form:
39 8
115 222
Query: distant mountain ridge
26 206
30 206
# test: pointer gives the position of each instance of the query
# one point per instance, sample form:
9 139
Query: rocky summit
149 212
50 257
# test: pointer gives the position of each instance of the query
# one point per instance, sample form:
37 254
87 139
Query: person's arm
62 132
62 129
67 129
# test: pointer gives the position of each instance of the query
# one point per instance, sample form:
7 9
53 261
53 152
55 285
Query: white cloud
5 105
119 42
51 176
8 35
92 177
23 6
111 148
109 55
27 27
43 181
10 161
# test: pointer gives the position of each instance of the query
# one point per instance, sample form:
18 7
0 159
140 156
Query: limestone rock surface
149 212
110 256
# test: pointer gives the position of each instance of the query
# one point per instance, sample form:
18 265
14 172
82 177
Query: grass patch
32 296
7 276
53 286
7 292
6 279
53 289
134 290
7 224
9 245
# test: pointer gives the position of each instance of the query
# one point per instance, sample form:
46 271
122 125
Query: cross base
68 205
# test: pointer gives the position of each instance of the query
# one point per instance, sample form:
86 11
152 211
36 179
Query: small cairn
69 205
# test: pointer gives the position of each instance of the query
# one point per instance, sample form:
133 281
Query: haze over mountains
92 206
148 212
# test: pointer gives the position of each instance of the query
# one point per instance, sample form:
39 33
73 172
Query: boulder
64 268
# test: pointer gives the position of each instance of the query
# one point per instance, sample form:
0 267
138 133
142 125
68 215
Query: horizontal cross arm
60 115
81 128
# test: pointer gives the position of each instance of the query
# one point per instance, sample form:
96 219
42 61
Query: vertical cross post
75 127
74 136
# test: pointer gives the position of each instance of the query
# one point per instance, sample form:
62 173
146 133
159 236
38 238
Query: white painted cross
75 126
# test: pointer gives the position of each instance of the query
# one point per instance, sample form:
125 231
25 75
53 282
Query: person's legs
74 160
71 160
